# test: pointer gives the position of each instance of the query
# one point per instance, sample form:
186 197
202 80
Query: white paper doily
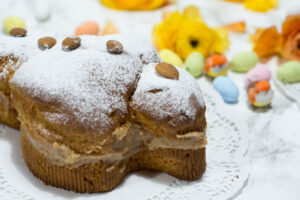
225 176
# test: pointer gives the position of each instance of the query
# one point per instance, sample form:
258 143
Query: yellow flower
184 33
260 5
134 4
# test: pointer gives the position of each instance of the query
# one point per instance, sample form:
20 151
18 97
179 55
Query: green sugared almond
194 64
289 72
244 61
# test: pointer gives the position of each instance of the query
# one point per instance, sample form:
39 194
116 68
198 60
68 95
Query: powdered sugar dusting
134 46
163 97
20 47
91 87
26 47
85 85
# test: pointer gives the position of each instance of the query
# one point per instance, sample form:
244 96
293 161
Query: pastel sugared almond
167 70
114 47
46 42
71 43
18 32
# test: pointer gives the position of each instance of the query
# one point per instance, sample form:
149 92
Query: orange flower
291 38
267 42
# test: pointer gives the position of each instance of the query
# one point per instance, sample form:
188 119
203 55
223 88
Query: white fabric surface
275 137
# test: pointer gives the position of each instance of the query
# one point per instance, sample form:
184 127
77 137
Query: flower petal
260 5
192 12
238 27
134 4
266 41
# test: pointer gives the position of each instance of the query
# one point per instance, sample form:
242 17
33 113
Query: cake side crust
104 176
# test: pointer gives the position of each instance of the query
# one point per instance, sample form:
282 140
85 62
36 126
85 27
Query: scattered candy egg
194 64
109 28
289 72
12 22
260 94
244 61
216 65
170 57
227 89
88 28
42 9
259 73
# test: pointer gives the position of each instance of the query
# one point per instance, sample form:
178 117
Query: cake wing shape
90 116
14 52
88 89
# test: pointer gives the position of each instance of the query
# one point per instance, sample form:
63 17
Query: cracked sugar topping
163 97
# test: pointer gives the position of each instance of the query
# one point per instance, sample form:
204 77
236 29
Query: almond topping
18 32
71 43
114 47
46 42
167 70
